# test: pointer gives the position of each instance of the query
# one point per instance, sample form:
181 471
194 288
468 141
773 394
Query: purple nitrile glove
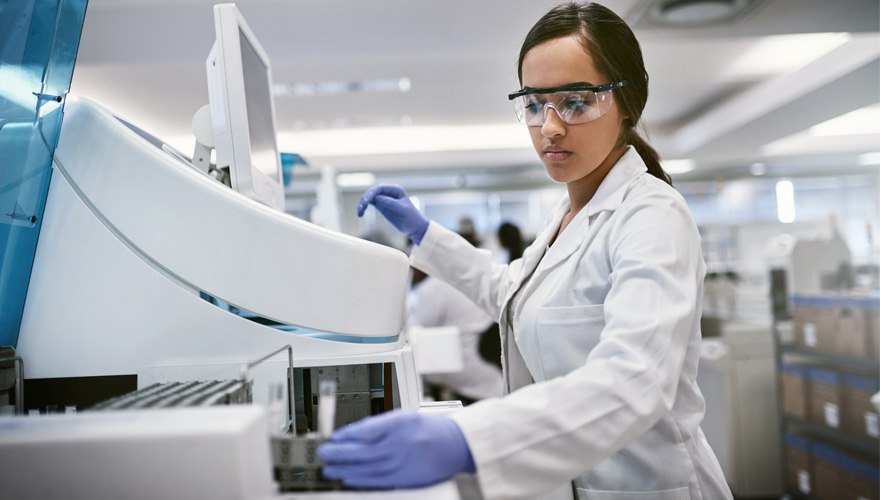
393 203
400 449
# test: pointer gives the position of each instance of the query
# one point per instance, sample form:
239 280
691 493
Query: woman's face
570 153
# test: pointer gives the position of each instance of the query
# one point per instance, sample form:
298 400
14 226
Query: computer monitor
243 110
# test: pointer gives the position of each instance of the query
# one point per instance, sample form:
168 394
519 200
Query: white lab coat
607 325
436 303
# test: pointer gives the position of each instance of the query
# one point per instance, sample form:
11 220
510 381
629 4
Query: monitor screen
264 156
243 110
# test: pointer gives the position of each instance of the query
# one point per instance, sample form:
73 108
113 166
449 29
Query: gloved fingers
389 205
350 471
371 482
351 453
389 481
366 199
372 429
393 191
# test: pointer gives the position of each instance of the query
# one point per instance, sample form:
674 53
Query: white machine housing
133 240
181 453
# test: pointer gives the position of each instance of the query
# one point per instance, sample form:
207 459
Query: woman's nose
553 125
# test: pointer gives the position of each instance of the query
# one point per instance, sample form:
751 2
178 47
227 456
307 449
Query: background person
435 303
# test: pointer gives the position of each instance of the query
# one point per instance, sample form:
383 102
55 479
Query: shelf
793 493
832 358
863 445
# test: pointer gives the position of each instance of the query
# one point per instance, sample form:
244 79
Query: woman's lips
556 154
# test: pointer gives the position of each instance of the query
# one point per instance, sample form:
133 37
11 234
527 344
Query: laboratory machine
155 270
151 268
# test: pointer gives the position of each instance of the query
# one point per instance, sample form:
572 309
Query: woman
599 318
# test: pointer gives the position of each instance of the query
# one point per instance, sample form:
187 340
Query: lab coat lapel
607 198
567 242
535 253
530 260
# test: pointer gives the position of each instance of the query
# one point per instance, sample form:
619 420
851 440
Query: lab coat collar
608 197
610 193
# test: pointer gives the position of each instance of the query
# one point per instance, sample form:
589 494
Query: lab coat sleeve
445 255
546 434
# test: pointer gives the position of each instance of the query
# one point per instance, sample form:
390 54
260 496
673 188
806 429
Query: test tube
326 407
277 409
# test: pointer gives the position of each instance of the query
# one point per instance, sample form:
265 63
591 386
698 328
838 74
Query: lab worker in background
599 318
511 241
436 303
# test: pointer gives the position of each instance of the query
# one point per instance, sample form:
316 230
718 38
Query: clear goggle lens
572 106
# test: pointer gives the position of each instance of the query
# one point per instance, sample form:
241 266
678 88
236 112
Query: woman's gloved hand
400 449
393 203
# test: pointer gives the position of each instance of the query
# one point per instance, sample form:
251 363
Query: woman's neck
581 191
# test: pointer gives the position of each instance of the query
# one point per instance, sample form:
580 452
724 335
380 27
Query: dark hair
616 52
510 238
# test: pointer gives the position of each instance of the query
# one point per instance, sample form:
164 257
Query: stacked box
870 305
859 416
851 328
827 471
815 320
858 326
794 390
824 397
797 463
861 480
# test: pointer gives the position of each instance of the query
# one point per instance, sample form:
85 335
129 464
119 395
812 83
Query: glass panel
38 45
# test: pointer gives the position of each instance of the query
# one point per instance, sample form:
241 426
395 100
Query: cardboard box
858 328
794 390
824 397
871 307
859 416
827 471
797 463
851 328
815 321
861 480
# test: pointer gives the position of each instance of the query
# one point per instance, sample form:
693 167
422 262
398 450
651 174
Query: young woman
599 318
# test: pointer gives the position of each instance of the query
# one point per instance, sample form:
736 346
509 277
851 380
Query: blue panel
38 45
298 330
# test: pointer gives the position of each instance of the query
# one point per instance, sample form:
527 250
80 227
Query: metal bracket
245 369
18 366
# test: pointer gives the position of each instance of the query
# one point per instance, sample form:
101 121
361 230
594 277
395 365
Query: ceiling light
681 166
356 179
785 211
855 131
872 158
696 12
335 87
397 140
780 53
758 168
861 121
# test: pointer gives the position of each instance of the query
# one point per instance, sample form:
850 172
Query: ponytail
648 154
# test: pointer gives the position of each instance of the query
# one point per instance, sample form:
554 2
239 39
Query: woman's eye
533 106
577 103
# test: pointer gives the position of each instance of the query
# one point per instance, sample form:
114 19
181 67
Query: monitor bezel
228 104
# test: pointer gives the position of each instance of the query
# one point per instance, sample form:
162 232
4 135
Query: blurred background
743 94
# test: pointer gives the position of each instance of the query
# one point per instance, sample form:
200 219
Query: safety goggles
574 103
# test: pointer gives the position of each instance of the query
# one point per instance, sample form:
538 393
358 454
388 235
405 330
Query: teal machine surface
38 47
